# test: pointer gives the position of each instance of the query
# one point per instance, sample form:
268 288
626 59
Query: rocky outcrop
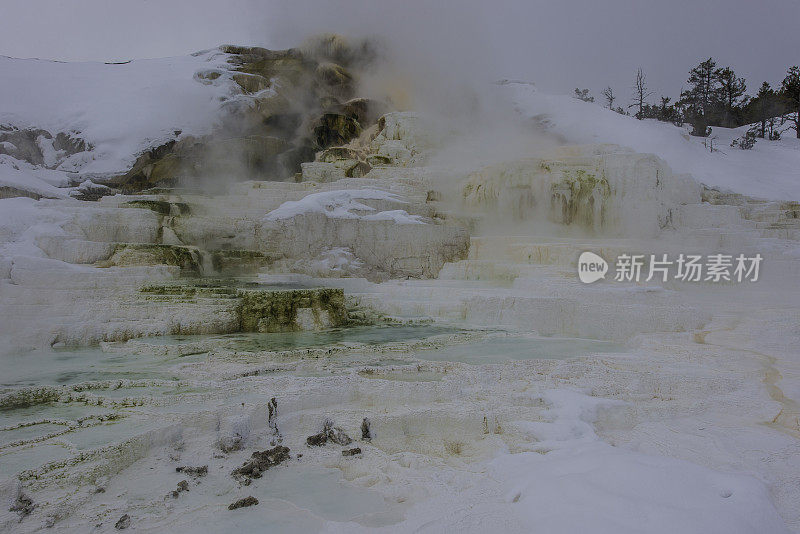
329 433
243 503
40 147
291 104
260 462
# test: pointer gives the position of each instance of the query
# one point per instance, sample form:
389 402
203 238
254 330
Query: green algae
277 311
129 254
573 198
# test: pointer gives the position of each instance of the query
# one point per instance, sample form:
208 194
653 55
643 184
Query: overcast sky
558 44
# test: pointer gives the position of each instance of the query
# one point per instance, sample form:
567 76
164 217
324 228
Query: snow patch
572 481
120 109
345 204
19 175
337 259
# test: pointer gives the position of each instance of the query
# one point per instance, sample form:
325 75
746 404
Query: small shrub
745 142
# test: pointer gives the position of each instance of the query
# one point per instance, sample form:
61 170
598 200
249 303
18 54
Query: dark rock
65 142
179 162
193 471
366 111
317 439
264 135
24 145
366 432
335 129
183 486
329 433
23 505
241 503
260 462
123 522
351 452
292 158
272 418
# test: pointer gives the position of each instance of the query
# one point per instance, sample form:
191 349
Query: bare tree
608 93
641 93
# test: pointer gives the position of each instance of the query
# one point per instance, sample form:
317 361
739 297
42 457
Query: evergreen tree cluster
716 96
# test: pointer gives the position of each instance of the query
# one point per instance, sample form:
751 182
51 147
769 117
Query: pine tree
666 112
699 101
731 92
763 108
790 92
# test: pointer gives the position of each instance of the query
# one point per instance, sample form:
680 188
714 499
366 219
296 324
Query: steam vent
345 287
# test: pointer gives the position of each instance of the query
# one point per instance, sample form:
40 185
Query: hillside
770 170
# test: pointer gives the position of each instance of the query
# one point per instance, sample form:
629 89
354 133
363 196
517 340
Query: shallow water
65 366
504 349
75 365
370 335
54 429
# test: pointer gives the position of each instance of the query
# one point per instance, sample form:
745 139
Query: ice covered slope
771 170
120 109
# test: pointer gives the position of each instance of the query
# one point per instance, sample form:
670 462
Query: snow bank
571 481
40 182
585 485
344 204
121 109
770 170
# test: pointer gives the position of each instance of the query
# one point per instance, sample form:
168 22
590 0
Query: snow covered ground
120 109
770 170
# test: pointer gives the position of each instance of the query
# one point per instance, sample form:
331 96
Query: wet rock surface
200 471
